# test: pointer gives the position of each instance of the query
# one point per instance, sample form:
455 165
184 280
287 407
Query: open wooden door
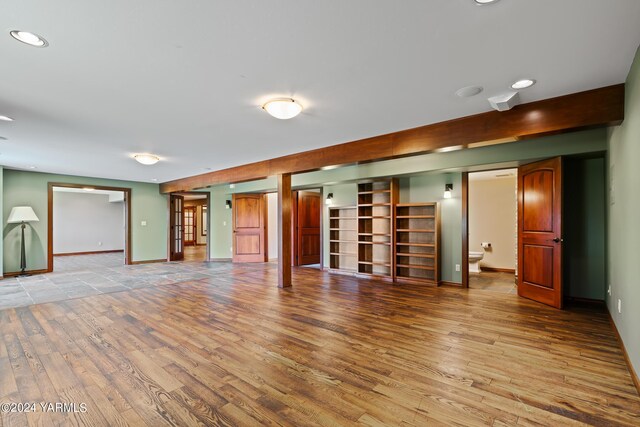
307 232
249 228
190 227
176 228
540 232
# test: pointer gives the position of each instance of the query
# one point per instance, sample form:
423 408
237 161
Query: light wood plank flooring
333 350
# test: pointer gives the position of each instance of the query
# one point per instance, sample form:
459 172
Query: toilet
474 261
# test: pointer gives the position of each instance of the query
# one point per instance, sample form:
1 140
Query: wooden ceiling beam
584 110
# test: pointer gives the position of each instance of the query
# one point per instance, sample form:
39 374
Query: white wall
81 221
493 218
272 228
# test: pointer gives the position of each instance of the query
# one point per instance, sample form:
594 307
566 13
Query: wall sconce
227 204
329 200
448 188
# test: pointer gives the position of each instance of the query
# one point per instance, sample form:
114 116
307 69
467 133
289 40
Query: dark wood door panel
308 242
249 228
538 265
248 244
537 206
247 212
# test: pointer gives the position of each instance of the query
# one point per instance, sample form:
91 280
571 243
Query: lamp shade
22 214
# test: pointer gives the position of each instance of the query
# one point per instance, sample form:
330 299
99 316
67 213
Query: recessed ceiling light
6 118
146 159
468 91
523 84
483 2
154 179
29 38
32 167
282 108
88 188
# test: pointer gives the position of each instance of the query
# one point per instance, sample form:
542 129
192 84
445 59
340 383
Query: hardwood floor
233 349
195 253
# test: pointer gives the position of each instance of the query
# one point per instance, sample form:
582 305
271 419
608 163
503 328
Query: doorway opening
88 227
493 230
557 260
189 227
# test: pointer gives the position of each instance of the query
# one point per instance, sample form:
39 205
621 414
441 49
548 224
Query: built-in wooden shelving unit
417 242
376 200
343 239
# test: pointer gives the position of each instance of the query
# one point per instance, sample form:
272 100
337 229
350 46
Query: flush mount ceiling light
6 119
29 38
523 84
282 108
483 2
146 159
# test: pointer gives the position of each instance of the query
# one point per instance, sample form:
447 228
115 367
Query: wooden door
190 226
176 228
540 232
249 213
307 225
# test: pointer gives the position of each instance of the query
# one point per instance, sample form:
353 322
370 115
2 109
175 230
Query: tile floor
85 275
492 281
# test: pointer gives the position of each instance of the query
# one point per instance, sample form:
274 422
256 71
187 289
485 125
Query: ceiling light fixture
523 84
29 38
146 159
88 188
282 108
6 119
483 2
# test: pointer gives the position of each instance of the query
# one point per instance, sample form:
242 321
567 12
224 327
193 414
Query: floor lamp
22 215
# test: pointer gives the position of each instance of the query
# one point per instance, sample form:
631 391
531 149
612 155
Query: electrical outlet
143 223
619 305
457 267
609 290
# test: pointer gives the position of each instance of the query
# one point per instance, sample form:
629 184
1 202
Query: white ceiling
184 79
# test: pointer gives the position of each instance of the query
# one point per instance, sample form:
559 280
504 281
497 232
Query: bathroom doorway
493 230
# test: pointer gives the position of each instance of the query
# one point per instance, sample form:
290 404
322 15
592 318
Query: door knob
557 240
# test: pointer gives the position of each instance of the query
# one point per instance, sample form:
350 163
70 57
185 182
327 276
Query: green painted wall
482 158
584 228
430 188
341 182
30 189
624 226
220 224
